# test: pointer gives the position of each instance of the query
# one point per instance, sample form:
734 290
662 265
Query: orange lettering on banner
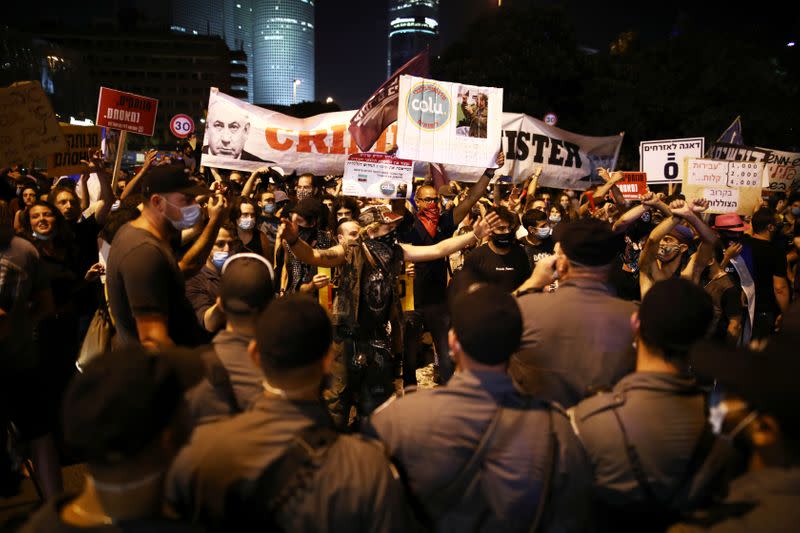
274 143
353 148
338 139
316 137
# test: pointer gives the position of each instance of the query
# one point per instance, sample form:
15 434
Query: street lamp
295 83
329 100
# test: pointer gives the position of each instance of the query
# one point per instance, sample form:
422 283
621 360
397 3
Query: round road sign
181 126
550 119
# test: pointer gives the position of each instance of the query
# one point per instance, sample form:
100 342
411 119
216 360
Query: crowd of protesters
230 351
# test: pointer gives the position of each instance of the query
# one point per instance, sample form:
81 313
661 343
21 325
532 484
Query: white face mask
246 223
555 218
219 258
190 215
543 233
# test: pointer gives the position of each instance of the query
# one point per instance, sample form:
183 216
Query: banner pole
671 189
123 138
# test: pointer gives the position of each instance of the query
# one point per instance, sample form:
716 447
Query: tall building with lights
413 25
277 37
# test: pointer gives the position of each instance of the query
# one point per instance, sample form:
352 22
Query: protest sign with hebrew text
375 175
126 111
729 186
28 125
81 142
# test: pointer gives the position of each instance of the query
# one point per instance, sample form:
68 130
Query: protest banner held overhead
375 175
568 160
321 144
729 186
81 142
663 160
451 123
30 128
126 111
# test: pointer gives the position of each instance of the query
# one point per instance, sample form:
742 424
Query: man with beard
664 251
366 308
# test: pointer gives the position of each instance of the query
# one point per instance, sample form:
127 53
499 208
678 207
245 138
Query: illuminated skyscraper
413 25
276 35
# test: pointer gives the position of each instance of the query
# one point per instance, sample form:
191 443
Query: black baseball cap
589 241
123 400
247 285
171 178
487 322
309 208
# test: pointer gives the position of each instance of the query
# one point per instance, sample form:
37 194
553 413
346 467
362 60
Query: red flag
438 175
380 109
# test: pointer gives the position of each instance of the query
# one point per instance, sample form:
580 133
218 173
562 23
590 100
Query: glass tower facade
276 35
283 51
413 25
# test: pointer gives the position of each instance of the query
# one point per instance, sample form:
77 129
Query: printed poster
374 175
451 123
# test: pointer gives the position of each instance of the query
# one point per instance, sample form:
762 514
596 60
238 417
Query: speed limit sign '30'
181 126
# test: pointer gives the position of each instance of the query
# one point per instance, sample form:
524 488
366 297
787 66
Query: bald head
426 197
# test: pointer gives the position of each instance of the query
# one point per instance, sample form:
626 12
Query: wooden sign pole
123 138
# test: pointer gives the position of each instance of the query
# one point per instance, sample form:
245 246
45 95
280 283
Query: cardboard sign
28 125
633 185
375 175
81 142
663 160
443 122
729 186
126 111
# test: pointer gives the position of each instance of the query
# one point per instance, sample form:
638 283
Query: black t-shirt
144 278
507 271
86 231
767 260
537 252
430 277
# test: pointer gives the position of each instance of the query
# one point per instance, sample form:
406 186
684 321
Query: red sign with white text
633 185
126 111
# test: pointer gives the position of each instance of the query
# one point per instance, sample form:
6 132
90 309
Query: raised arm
103 205
196 256
647 259
477 190
304 253
648 200
532 184
84 187
133 185
250 184
420 254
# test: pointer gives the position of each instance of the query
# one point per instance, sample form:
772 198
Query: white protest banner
374 175
321 144
729 186
451 123
242 136
568 160
663 160
28 125
81 142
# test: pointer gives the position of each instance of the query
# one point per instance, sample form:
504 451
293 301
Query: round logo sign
387 188
550 119
428 106
181 126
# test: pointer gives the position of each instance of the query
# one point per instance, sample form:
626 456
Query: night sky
351 38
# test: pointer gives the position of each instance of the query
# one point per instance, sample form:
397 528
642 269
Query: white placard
374 175
662 160
450 123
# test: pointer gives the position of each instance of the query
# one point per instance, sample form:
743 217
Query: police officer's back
477 455
647 438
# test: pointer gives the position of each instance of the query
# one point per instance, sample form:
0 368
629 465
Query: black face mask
502 240
307 234
390 239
